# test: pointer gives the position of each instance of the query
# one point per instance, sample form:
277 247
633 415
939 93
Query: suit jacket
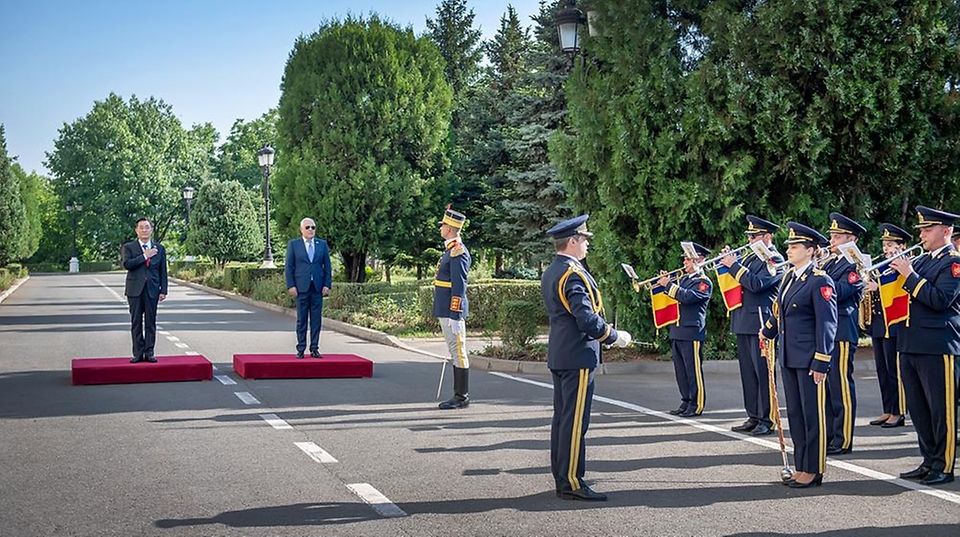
693 292
934 323
450 283
805 318
759 289
849 287
300 271
140 277
575 308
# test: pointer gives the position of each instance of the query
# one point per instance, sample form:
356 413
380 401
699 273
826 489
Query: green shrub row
485 298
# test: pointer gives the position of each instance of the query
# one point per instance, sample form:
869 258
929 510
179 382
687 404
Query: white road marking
315 452
182 345
275 421
112 292
162 332
192 353
172 338
225 380
246 397
375 499
866 472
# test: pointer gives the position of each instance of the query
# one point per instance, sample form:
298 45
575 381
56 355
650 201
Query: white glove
456 325
623 339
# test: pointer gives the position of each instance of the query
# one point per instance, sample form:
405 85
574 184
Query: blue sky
211 60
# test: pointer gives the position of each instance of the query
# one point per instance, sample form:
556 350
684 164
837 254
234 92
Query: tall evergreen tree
13 218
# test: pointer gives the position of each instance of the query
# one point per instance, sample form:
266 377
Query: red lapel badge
826 292
955 270
703 285
853 277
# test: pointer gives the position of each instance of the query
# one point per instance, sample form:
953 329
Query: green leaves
224 223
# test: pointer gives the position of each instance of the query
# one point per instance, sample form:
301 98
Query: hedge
484 301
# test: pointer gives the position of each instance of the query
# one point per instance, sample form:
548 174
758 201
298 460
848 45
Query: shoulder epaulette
457 250
818 272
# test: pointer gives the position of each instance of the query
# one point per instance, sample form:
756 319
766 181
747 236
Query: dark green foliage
518 323
224 224
13 216
485 297
32 188
237 156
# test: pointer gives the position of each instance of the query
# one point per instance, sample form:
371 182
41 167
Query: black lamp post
569 21
265 158
188 197
74 208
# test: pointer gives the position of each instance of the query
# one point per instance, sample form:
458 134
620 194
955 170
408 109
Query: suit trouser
806 410
688 366
456 343
572 399
888 375
842 395
755 379
930 382
309 305
143 323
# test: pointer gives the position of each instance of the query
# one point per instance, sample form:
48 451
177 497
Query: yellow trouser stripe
577 427
900 390
845 394
822 423
951 400
771 364
461 355
701 396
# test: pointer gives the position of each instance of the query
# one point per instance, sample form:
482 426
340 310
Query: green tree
458 42
237 157
13 218
364 114
224 223
56 225
31 186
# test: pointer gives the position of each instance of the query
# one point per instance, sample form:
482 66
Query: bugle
876 268
650 282
714 262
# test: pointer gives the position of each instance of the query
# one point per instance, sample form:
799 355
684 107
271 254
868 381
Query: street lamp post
265 158
74 208
187 193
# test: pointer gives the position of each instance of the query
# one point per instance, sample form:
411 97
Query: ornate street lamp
75 209
569 21
187 193
265 159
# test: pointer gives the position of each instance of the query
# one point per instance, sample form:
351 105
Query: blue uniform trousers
806 410
572 398
755 379
888 375
309 305
930 382
688 366
842 395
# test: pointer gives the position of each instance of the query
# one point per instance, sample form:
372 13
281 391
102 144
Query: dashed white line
163 332
225 380
192 353
172 338
376 500
182 345
247 398
275 421
866 472
315 452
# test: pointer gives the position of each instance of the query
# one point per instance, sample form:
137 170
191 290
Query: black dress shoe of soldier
746 426
585 494
689 414
136 360
299 355
150 359
816 482
836 450
917 473
678 411
761 430
454 403
937 478
315 354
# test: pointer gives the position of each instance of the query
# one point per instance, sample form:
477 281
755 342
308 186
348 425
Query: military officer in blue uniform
450 305
849 286
804 322
692 291
894 241
577 329
758 280
929 342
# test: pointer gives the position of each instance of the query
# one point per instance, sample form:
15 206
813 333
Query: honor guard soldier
759 284
805 322
687 335
450 304
841 390
577 328
894 241
929 342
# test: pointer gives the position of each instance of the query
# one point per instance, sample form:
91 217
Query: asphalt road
196 458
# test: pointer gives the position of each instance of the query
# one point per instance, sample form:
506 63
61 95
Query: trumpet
876 268
713 263
650 282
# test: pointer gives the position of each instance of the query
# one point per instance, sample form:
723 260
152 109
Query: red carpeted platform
121 371
287 366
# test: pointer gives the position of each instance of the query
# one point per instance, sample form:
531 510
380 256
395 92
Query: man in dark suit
146 286
577 328
309 279
929 342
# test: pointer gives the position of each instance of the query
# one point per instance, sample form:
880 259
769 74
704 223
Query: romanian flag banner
893 297
730 288
666 310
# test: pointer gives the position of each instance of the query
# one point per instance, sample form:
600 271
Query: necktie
145 249
310 250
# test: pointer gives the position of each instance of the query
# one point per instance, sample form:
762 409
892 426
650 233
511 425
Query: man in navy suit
309 279
146 286
929 342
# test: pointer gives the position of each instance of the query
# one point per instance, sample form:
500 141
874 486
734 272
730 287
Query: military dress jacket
450 283
759 287
693 292
574 308
849 288
805 318
934 323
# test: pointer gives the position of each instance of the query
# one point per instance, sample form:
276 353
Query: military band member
805 322
687 335
929 342
575 310
884 338
450 305
759 285
841 390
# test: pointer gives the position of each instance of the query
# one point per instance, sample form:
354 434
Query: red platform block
121 371
287 366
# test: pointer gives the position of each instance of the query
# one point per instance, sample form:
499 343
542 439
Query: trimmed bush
518 323
37 268
485 299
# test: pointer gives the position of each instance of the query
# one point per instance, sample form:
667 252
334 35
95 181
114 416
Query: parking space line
247 398
225 380
172 338
275 421
315 452
376 500
182 345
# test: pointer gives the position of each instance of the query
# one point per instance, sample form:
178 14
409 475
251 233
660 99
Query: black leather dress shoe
761 430
454 402
585 494
835 450
678 411
150 359
689 414
816 482
299 355
315 354
136 360
899 423
881 420
746 426
937 478
917 473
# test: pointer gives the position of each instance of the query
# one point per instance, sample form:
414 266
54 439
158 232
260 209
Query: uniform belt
440 283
